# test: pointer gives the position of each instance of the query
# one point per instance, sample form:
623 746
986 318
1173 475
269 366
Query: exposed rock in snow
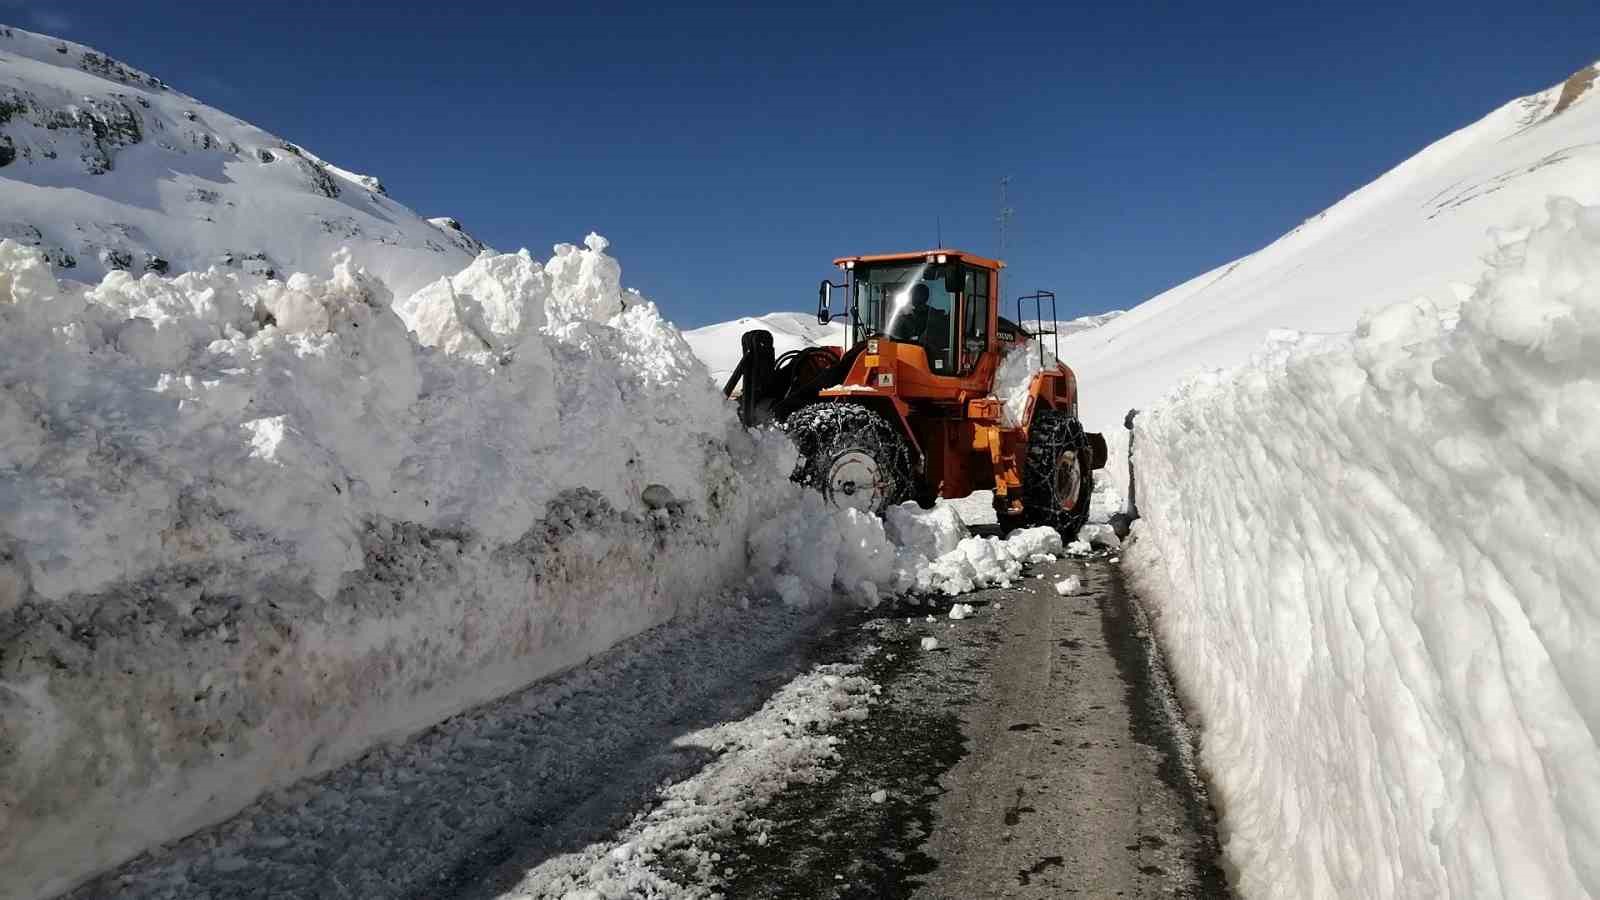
459 235
106 168
1372 560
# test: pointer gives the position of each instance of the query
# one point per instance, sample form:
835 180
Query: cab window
974 319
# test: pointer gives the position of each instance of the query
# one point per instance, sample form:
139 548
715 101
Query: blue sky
729 153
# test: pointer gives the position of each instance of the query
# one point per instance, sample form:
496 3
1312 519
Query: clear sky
730 153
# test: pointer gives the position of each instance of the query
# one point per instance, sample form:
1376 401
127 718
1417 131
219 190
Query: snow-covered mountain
105 167
1422 229
718 345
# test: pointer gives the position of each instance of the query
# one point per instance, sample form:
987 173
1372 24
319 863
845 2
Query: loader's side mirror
824 295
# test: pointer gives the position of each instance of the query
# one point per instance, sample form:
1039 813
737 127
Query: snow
809 552
929 643
960 611
1372 563
260 511
111 168
784 743
1013 380
718 346
1418 231
1068 586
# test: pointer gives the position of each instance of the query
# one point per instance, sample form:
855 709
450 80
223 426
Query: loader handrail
1038 298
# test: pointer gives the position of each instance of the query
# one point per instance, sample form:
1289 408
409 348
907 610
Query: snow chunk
929 643
930 532
1013 380
489 307
585 285
961 611
1069 585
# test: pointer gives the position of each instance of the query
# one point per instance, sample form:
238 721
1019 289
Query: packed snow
106 168
1372 562
260 514
1069 585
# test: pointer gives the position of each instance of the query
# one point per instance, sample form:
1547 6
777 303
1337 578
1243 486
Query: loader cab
942 301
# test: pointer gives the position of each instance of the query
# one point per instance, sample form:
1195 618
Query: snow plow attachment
774 388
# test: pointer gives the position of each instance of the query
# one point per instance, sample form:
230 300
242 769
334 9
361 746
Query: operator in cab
921 322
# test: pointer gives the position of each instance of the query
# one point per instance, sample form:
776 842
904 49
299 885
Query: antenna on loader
938 232
1005 213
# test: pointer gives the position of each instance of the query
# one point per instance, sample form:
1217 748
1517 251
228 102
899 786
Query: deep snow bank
249 528
1375 569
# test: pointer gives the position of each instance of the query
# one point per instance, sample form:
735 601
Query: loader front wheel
1058 477
855 457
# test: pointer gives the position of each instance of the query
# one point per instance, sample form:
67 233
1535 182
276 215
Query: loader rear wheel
854 456
1058 477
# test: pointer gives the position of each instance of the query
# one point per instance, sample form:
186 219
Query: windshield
908 302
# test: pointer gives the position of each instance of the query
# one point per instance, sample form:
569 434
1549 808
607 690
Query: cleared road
1038 752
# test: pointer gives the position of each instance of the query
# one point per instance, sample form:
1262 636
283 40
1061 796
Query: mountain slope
105 167
718 345
1419 230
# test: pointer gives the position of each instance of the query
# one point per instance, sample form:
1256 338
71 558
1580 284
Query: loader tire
1058 476
852 455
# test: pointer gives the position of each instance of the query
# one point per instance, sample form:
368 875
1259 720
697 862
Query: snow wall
250 529
1374 565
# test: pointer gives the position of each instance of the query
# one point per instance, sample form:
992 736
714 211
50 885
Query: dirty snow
258 511
673 849
1372 563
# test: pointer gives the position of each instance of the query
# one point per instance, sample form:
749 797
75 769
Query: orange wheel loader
909 410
